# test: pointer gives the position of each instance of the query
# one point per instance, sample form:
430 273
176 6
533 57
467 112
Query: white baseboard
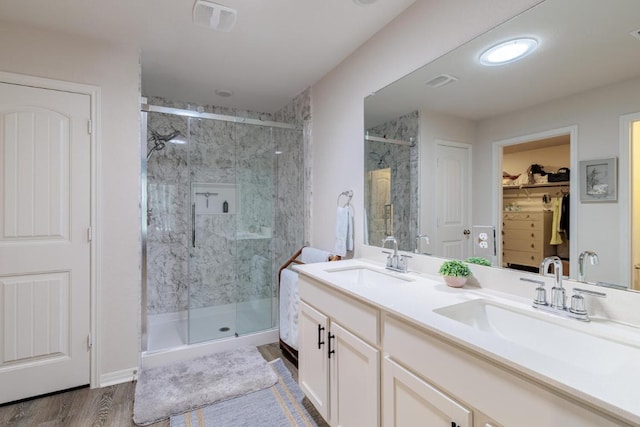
118 377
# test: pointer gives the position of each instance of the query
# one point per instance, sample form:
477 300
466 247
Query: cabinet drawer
522 225
532 259
526 245
523 234
358 317
523 216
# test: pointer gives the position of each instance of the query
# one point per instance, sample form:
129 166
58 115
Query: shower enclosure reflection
391 157
210 245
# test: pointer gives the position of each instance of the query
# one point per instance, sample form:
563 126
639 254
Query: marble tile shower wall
236 255
293 193
168 220
404 164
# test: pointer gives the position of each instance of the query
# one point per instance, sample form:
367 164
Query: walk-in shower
214 227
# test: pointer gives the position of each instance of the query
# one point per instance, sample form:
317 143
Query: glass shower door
255 172
212 239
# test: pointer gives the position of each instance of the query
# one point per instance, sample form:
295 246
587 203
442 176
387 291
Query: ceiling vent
636 33
441 80
214 16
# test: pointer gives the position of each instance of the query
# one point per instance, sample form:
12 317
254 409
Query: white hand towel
342 230
311 255
349 230
289 307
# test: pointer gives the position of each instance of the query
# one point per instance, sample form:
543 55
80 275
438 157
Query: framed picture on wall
598 180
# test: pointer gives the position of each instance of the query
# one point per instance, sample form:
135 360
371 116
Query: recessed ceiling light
223 93
509 51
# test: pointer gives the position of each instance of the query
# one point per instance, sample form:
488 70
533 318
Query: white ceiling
583 44
277 49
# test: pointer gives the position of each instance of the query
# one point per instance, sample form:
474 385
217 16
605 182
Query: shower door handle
193 225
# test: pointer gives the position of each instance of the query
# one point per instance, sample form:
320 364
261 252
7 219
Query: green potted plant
478 260
455 273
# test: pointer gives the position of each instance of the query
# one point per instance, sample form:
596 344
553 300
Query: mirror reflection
498 143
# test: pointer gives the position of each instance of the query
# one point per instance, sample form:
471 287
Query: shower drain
224 329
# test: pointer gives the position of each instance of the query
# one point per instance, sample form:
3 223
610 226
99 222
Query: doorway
534 199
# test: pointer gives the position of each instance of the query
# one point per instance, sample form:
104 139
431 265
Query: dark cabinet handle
320 342
330 352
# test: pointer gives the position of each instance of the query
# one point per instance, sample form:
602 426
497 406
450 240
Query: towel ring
348 194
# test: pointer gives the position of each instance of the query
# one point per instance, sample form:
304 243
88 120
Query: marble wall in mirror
581 84
391 181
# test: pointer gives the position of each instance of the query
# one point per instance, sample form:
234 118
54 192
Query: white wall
425 31
115 70
602 227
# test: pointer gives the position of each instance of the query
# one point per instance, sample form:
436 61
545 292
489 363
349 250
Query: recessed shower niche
213 198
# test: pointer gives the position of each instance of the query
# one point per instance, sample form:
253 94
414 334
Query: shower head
159 141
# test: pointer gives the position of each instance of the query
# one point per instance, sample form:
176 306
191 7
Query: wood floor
108 406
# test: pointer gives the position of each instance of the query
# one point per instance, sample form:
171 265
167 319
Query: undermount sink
366 276
595 354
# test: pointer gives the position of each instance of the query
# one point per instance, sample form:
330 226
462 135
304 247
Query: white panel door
452 200
44 248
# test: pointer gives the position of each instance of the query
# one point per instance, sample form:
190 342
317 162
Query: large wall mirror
540 149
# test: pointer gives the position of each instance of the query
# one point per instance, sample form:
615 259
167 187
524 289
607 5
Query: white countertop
615 391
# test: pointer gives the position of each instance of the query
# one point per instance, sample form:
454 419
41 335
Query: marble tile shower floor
209 323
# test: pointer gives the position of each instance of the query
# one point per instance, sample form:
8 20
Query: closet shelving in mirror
550 184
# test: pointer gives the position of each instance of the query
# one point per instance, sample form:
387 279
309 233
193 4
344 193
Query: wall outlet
484 240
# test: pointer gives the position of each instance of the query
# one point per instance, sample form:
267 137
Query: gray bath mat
277 406
187 385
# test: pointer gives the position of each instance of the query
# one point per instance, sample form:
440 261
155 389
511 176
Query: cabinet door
313 364
354 367
409 401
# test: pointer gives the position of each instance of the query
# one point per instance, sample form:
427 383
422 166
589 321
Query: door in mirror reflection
453 182
379 205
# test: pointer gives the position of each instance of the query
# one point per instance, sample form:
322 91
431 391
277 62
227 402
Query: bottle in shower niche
225 207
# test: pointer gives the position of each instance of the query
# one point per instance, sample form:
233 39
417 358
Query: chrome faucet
593 259
558 297
395 261
558 305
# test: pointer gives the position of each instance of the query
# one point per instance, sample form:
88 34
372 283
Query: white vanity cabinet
450 376
362 362
339 367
